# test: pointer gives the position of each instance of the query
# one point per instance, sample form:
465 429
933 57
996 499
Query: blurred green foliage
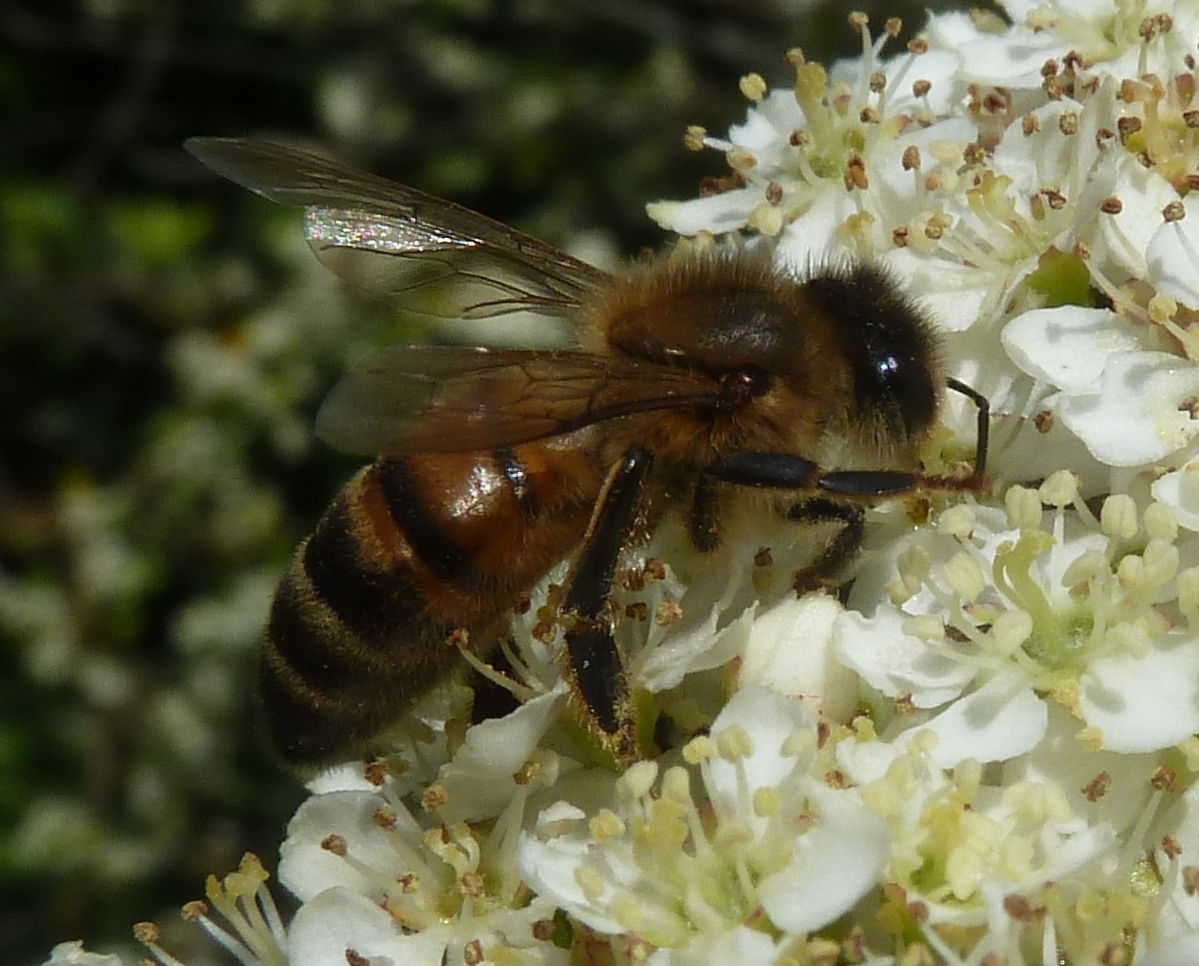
165 339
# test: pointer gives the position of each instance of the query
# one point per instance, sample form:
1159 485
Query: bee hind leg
596 671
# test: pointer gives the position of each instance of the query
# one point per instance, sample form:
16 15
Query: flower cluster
987 752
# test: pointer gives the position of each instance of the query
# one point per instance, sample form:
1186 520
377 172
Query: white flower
339 924
377 881
1127 405
664 867
1063 610
1124 38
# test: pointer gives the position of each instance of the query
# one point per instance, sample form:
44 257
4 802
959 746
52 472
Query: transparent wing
406 399
431 255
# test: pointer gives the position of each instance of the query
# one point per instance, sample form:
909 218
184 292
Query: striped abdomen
413 549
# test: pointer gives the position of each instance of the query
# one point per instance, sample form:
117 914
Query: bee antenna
984 423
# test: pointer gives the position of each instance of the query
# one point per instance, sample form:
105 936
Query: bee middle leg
785 471
703 524
823 572
596 668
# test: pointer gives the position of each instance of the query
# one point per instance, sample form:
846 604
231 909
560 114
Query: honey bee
695 384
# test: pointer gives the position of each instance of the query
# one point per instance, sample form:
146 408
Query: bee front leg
596 669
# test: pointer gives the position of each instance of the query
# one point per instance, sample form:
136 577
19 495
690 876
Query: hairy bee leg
704 514
822 572
786 471
595 663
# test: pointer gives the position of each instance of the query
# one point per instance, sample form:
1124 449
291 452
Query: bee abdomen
411 551
347 609
325 688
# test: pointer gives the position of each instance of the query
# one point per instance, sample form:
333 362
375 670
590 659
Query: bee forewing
294 177
467 284
440 258
408 399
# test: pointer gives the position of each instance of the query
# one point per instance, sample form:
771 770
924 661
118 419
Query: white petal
1176 950
1059 760
1033 159
1077 845
307 869
1068 346
836 863
1136 237
811 239
938 67
1146 704
765 133
728 211
338 920
1002 719
951 30
348 776
789 649
549 867
1180 912
865 761
769 719
479 780
514 928
73 954
1080 10
688 649
738 945
783 112
1140 413
952 293
932 142
995 59
1172 258
1180 491
896 663
758 132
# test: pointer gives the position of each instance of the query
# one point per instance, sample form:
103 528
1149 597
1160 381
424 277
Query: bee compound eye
907 383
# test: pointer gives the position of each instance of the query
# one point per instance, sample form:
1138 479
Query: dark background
166 337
